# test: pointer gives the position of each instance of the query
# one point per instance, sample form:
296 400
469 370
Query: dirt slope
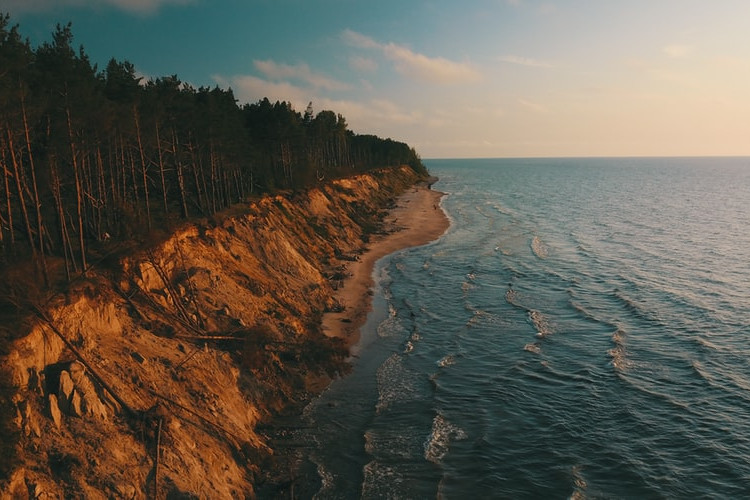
153 376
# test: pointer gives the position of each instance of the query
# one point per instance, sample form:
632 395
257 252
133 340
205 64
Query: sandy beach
416 220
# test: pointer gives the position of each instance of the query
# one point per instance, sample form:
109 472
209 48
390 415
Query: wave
589 316
395 383
381 481
511 297
447 360
391 327
411 342
327 481
439 440
632 305
579 484
539 248
541 323
503 210
480 317
618 353
533 347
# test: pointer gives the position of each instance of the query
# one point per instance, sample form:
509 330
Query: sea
582 330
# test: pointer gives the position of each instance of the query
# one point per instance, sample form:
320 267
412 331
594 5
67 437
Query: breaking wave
539 248
395 382
442 434
618 353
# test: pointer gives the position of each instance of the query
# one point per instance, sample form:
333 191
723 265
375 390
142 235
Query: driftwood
228 436
170 289
158 458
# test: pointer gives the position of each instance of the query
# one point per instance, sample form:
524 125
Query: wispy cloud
16 7
298 72
248 88
363 64
414 64
533 106
677 51
525 61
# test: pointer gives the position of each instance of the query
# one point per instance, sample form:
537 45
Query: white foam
438 443
327 481
579 483
390 327
539 248
395 383
533 347
541 323
381 481
618 353
448 360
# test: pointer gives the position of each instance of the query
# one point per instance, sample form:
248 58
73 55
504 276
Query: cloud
359 40
299 72
525 61
414 64
363 64
294 83
375 116
677 51
533 106
135 6
251 89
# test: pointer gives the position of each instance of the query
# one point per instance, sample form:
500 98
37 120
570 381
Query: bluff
152 373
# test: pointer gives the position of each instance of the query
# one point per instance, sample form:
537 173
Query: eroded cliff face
155 375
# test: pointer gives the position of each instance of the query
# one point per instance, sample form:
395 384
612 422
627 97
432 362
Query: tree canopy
90 156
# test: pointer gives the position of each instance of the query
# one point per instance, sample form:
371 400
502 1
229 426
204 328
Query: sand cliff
150 376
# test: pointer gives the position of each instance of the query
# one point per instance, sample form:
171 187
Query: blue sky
483 78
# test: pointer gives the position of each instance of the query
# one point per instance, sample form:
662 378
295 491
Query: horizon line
576 157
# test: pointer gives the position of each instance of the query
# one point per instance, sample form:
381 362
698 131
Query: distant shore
417 219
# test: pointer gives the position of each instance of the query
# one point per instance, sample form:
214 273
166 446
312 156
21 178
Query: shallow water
581 331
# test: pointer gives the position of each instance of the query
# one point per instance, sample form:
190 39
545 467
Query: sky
475 78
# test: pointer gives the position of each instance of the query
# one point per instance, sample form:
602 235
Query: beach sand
416 219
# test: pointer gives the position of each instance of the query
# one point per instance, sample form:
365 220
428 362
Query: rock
137 356
94 407
54 410
126 490
17 488
76 404
65 391
30 423
77 372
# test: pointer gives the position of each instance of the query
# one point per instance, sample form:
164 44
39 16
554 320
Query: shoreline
416 219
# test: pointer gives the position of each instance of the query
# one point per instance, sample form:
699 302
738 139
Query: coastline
416 220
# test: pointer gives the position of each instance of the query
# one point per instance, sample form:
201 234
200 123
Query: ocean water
581 331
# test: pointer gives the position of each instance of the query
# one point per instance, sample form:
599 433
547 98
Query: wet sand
417 219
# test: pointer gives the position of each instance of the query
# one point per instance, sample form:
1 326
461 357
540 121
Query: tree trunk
180 176
19 189
79 201
143 166
6 185
161 170
37 202
61 218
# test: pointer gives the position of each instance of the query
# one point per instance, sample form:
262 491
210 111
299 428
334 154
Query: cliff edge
151 375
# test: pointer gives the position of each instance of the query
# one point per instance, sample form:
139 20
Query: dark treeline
90 156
